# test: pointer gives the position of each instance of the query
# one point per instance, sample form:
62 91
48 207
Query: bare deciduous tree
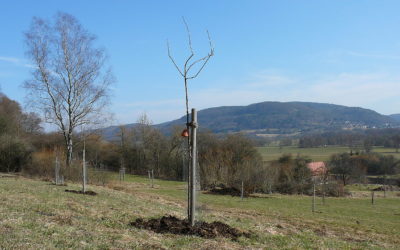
190 62
189 65
70 83
185 72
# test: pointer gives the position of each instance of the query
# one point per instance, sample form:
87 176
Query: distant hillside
269 119
286 117
111 133
396 117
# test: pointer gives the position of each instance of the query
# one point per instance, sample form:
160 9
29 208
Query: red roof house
317 168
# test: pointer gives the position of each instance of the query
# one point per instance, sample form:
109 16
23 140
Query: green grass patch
316 154
34 214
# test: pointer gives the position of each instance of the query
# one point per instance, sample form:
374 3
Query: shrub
333 189
294 176
14 154
41 164
98 176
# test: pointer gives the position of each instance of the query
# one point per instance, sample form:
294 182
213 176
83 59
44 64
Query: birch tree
70 81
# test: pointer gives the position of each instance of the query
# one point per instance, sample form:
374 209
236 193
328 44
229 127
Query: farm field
316 154
36 214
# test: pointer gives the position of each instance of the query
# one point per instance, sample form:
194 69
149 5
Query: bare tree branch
187 65
185 74
189 36
173 61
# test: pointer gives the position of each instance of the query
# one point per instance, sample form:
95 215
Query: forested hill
286 117
274 118
396 117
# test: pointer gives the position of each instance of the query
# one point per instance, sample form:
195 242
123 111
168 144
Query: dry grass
34 214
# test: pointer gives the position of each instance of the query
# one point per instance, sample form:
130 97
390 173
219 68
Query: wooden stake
384 187
241 193
192 180
313 199
84 167
122 174
372 197
57 171
148 171
152 178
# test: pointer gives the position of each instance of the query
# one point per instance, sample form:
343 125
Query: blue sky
342 52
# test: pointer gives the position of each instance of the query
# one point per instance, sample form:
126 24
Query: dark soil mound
388 188
378 189
81 192
227 191
171 224
64 184
8 175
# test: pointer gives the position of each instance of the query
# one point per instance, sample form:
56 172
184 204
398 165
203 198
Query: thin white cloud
371 90
10 59
31 66
16 61
376 91
371 55
340 56
151 103
156 115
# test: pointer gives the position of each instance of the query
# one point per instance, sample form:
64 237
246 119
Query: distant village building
317 168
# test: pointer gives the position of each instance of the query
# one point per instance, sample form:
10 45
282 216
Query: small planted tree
188 72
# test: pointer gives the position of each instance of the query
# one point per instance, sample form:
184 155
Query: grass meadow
36 214
316 154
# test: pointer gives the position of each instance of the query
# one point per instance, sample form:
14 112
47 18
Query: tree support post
152 178
372 197
84 167
192 179
241 193
149 173
384 187
57 171
313 199
121 174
